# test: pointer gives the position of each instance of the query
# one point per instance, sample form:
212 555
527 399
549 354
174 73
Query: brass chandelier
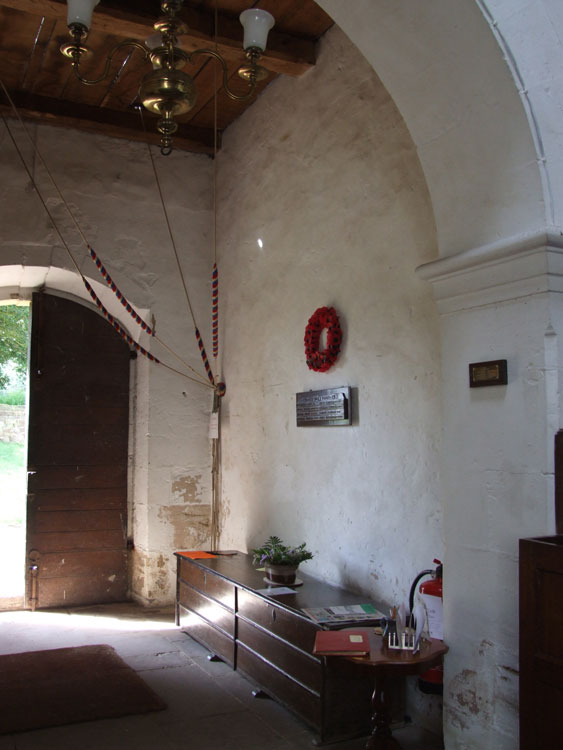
167 90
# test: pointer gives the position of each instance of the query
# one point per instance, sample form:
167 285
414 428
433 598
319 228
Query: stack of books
342 615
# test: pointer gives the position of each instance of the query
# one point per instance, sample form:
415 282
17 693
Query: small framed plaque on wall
488 373
330 407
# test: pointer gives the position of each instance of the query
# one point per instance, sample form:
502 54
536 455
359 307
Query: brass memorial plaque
328 408
488 373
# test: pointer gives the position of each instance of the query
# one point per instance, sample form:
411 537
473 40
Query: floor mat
67 685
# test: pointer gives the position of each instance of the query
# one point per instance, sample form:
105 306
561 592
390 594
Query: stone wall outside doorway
12 424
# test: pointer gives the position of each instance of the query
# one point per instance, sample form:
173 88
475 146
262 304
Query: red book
196 554
341 643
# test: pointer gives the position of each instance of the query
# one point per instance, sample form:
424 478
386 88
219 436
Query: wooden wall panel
541 649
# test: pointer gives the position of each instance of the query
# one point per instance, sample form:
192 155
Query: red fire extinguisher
431 681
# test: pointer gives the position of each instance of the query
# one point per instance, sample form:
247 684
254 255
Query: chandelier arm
92 82
230 94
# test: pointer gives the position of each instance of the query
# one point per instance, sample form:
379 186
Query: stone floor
209 705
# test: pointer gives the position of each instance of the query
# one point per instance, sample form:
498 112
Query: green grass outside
12 398
12 483
12 457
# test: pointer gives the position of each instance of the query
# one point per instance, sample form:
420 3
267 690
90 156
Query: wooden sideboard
270 640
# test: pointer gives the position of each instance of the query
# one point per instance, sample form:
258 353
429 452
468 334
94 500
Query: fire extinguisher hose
413 587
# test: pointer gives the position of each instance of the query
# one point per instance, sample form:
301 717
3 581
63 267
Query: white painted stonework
497 475
325 174
336 195
455 166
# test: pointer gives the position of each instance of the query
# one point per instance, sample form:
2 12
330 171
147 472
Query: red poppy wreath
321 361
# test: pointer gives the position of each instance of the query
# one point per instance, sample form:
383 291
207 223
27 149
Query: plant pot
284 574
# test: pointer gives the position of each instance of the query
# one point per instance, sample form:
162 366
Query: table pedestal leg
381 737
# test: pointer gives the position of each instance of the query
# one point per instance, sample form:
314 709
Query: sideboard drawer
295 630
212 638
208 583
279 685
305 668
208 609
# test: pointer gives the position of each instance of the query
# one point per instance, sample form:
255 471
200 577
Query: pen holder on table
403 642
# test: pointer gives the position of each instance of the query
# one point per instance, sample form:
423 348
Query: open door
77 457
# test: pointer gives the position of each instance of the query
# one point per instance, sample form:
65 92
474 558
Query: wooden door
77 457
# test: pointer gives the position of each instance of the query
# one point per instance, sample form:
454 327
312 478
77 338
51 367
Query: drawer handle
204 580
273 615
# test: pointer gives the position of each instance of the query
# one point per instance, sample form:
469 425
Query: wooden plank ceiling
43 87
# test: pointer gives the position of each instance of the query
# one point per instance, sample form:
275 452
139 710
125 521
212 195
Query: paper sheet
419 614
434 611
214 426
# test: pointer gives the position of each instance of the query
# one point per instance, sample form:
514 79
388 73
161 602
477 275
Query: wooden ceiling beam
286 53
106 122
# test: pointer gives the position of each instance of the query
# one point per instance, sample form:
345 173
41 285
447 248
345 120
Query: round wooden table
389 663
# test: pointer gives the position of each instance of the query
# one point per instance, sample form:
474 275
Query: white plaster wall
501 485
324 172
497 475
442 65
492 471
111 187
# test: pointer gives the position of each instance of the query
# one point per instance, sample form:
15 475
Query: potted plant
280 561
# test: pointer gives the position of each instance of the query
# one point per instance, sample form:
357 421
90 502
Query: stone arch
19 282
479 147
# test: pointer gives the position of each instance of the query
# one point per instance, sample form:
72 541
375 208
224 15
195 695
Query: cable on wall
198 336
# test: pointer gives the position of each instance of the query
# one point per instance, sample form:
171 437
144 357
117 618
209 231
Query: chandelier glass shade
167 90
256 23
80 11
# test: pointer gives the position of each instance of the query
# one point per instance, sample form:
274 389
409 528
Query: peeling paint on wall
153 573
150 576
465 691
186 489
158 577
484 694
469 696
137 563
189 525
